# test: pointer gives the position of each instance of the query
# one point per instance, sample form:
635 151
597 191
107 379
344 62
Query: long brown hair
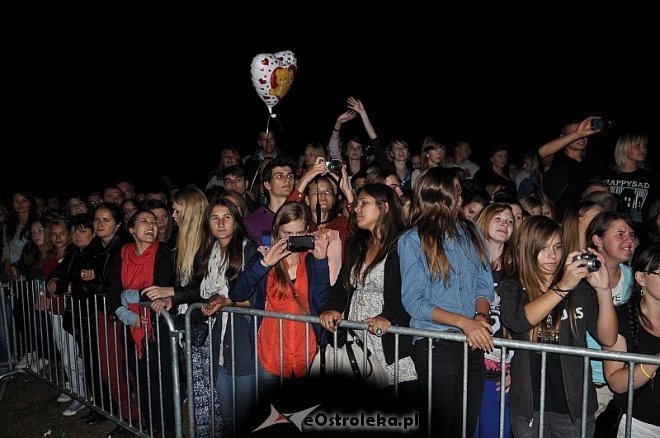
528 241
389 227
436 212
233 253
287 213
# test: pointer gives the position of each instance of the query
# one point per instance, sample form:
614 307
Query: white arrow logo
295 418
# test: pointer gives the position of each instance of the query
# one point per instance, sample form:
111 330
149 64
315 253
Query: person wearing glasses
639 332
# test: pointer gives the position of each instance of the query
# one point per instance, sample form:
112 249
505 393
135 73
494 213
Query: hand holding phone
300 243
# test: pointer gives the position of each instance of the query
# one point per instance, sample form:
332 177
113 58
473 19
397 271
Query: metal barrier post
175 335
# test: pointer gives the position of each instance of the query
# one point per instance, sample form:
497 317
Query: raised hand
275 253
600 279
574 271
345 117
321 242
356 105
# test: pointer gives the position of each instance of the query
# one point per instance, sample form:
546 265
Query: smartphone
300 243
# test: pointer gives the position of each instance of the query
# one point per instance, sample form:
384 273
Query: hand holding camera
321 242
598 124
585 264
591 261
275 253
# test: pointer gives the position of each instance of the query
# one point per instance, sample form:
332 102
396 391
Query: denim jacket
469 279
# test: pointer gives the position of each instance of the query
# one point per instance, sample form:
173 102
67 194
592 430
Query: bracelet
560 292
265 265
335 129
556 289
481 314
641 366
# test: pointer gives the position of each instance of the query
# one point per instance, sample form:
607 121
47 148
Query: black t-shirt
573 175
646 400
555 395
636 191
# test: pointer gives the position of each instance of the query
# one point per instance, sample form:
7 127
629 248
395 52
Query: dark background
84 111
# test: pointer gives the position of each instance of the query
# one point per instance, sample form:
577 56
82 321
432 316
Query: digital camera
334 166
593 264
300 243
600 124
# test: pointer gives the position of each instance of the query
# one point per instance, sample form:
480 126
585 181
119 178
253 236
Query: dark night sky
129 100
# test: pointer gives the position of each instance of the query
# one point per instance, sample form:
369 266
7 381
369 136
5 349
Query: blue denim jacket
469 279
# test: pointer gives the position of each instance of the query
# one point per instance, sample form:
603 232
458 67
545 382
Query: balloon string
273 116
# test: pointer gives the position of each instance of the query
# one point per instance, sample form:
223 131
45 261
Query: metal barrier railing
503 344
73 341
76 354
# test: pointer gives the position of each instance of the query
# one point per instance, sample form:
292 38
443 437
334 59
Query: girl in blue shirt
446 285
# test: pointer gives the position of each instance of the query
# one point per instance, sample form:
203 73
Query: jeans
72 363
245 398
554 425
489 417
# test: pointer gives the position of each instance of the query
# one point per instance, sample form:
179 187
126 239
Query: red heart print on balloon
272 75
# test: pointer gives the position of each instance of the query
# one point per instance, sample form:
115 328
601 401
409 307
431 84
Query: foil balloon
272 76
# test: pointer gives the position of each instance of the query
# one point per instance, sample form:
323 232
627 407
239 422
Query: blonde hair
625 142
191 228
483 222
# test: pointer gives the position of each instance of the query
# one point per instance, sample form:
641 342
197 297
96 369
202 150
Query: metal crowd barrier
503 344
34 336
88 371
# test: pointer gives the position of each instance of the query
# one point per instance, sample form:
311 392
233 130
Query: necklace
548 336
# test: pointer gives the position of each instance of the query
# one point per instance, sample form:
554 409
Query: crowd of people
563 251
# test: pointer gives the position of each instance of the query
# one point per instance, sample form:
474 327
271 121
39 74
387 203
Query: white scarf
215 282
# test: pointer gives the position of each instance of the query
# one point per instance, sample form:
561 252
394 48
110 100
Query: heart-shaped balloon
272 75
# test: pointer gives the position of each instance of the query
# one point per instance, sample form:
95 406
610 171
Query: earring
642 292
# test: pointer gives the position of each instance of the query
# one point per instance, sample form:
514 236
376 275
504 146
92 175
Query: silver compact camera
593 264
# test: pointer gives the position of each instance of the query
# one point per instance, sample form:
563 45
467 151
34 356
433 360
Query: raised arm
357 106
547 151
333 146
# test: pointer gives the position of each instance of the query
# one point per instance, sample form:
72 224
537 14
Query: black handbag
199 327
607 423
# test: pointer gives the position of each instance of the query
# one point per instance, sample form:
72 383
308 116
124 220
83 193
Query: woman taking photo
369 283
549 297
446 285
288 282
639 332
